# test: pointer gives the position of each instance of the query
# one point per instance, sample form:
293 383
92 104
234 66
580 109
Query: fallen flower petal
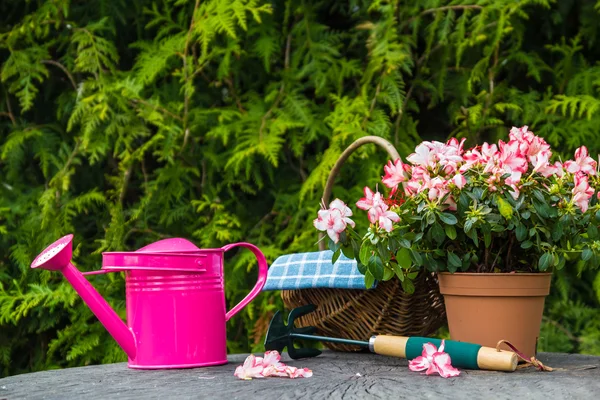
250 369
269 365
443 365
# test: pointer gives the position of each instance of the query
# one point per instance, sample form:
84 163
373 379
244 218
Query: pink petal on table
418 364
444 366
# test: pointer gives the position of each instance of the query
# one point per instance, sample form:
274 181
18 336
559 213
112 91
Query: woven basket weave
359 314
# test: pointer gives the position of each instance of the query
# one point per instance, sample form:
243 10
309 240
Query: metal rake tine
302 353
305 330
299 312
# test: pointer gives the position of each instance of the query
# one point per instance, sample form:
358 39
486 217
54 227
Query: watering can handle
262 277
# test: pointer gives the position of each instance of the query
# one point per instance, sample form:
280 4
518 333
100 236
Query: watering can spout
57 257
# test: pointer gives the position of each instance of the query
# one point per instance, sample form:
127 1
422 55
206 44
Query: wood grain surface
336 376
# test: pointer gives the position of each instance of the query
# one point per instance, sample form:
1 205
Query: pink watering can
175 300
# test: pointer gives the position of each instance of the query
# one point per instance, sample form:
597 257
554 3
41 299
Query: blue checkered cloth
314 270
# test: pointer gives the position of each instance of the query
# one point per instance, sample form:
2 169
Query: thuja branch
286 65
186 78
64 69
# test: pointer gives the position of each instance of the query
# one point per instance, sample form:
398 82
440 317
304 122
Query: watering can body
175 302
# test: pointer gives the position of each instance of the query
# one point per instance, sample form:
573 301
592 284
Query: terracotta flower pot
487 308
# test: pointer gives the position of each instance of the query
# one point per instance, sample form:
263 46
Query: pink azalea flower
437 188
384 217
583 162
370 200
332 222
423 156
250 369
459 180
486 154
511 159
395 173
346 212
552 169
458 146
434 360
582 192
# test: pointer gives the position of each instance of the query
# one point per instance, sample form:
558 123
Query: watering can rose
498 207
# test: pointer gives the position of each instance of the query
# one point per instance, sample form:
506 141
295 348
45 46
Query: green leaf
399 272
487 239
473 235
383 252
355 248
408 286
586 254
592 231
404 243
468 225
454 262
369 280
450 231
438 233
545 261
416 257
539 195
365 253
362 268
334 246
403 258
557 232
348 251
504 207
376 267
526 244
521 232
448 218
336 255
388 274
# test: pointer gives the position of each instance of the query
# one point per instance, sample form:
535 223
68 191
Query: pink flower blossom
383 216
434 360
582 192
530 145
458 146
552 169
423 156
511 158
395 173
370 200
346 212
459 180
332 222
437 188
486 155
270 365
583 162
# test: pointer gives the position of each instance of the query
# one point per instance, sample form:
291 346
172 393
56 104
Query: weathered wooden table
336 376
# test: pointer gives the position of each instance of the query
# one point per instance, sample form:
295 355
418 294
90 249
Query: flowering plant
501 207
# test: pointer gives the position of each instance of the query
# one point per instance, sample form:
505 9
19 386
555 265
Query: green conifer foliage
125 122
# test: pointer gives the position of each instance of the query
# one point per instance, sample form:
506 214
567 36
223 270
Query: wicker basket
359 314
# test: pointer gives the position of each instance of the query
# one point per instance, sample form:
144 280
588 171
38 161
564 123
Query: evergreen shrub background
125 122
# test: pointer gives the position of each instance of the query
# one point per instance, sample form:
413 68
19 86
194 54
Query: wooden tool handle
394 346
463 355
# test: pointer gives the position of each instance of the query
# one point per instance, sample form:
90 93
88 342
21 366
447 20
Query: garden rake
464 355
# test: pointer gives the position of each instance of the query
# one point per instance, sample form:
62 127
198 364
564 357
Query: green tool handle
328 339
463 355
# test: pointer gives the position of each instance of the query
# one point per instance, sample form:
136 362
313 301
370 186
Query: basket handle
383 143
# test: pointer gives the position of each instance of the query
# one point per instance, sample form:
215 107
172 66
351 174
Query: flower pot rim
496 273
